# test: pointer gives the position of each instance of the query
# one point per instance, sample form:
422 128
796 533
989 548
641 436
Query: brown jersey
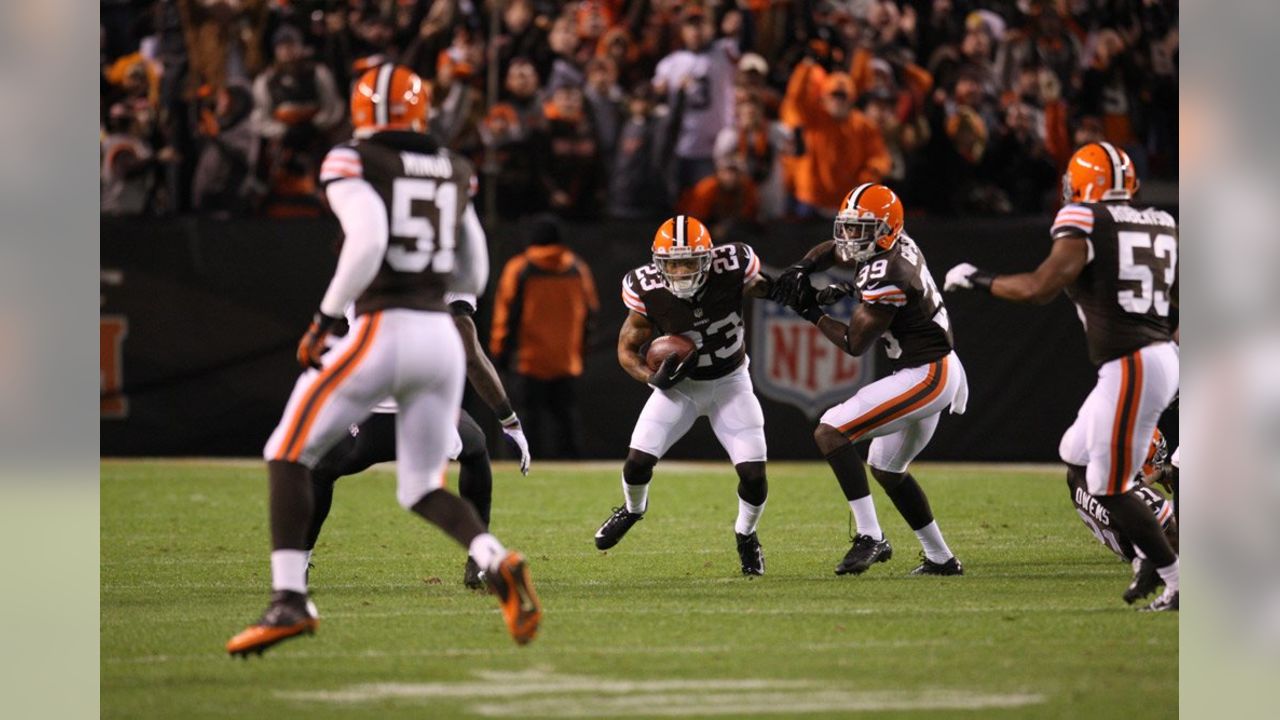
425 190
712 318
920 331
1124 293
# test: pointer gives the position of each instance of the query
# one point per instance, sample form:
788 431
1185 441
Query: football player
374 440
696 289
411 234
1098 520
899 305
1118 264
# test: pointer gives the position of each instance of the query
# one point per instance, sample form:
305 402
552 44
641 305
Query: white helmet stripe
382 92
857 195
681 240
1117 166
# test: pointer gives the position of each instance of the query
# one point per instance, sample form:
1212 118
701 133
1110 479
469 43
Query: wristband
510 420
982 279
813 314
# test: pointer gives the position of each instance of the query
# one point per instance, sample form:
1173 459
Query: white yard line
543 693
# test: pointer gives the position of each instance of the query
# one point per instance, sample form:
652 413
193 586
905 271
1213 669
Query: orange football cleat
289 615
520 607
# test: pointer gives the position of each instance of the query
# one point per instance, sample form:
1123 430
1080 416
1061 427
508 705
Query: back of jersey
1125 292
425 190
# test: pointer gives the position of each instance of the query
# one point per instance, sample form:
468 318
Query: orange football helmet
682 253
868 223
389 97
1099 171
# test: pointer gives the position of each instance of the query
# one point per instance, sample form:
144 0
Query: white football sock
637 496
486 551
748 517
935 548
1169 574
864 517
289 570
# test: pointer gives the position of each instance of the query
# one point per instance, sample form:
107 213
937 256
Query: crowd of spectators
737 111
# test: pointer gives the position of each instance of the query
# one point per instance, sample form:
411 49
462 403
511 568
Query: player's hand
835 292
670 372
805 303
786 289
966 276
515 432
313 345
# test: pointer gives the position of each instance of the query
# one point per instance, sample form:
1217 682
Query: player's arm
869 322
787 288
758 287
472 256
364 225
636 331
484 378
481 373
1067 258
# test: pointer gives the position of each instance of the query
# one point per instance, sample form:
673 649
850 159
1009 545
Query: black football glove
670 372
806 304
786 289
835 292
313 344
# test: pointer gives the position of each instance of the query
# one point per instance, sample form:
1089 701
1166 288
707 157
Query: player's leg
857 419
1131 394
320 411
365 445
475 484
429 394
889 458
738 422
666 417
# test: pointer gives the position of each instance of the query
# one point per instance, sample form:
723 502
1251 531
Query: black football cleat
929 567
290 614
751 554
1145 581
1167 602
473 576
866 551
617 525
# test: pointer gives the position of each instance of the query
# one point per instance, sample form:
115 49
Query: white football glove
960 277
515 432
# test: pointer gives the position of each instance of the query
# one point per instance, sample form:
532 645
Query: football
663 346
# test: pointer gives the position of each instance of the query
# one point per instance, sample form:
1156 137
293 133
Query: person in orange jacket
843 149
545 307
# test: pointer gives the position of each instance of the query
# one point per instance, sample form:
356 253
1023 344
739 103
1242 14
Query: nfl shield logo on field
795 364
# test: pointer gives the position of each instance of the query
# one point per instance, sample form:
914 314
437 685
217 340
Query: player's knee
751 473
638 467
1071 449
887 478
829 439
410 496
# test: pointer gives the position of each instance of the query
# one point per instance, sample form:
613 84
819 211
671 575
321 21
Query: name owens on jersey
920 331
425 190
712 318
1125 292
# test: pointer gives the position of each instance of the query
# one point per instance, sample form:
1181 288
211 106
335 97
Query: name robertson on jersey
1150 216
419 165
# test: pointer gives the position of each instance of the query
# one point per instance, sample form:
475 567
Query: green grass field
661 626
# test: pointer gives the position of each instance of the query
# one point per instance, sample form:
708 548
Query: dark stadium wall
199 321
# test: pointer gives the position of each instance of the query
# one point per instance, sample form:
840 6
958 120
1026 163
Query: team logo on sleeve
793 363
